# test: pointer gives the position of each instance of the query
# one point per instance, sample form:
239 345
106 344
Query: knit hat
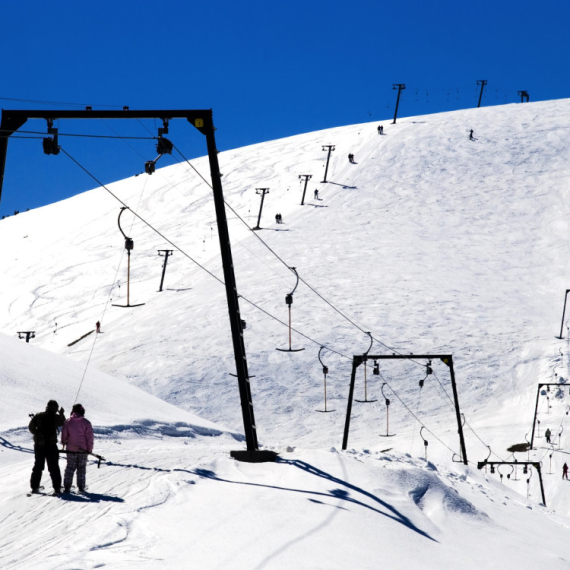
78 410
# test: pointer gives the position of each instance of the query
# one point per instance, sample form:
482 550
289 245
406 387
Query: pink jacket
77 434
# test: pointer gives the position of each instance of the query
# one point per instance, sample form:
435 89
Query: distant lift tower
167 254
481 82
27 335
307 177
261 192
400 87
330 148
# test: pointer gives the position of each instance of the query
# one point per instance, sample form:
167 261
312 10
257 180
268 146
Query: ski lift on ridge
325 372
289 302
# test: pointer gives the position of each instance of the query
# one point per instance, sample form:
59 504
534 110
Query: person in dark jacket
44 426
77 435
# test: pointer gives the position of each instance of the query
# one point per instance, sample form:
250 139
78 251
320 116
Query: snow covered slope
434 243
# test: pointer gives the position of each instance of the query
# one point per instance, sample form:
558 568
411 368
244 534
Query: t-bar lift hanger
129 245
325 372
289 302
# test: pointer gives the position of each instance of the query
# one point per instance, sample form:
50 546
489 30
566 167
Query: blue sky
268 69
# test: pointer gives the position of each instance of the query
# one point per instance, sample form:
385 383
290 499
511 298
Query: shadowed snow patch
154 428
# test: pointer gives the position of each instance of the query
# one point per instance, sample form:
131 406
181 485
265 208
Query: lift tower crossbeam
535 464
202 120
447 359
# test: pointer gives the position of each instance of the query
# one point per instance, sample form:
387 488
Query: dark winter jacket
77 434
44 427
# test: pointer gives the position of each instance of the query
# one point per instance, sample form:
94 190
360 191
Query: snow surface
434 243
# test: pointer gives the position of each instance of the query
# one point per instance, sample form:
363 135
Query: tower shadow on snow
342 493
345 186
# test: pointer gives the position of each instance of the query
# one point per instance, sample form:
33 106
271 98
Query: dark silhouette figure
351 158
380 129
565 471
316 194
276 218
547 435
98 327
471 138
44 426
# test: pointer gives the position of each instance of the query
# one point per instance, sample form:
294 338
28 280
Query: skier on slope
565 471
471 135
77 435
98 327
44 426
351 158
316 193
547 435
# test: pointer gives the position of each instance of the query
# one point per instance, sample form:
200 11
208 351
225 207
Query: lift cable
255 305
58 103
466 422
256 234
178 248
414 415
101 319
87 136
96 335
244 298
141 218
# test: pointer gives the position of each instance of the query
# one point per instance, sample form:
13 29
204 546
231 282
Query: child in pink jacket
77 436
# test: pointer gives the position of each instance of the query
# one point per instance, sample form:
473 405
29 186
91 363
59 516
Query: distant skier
316 194
547 435
565 471
351 158
471 138
380 129
98 327
77 435
276 218
44 426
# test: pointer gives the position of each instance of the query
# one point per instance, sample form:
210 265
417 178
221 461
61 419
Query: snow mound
433 496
